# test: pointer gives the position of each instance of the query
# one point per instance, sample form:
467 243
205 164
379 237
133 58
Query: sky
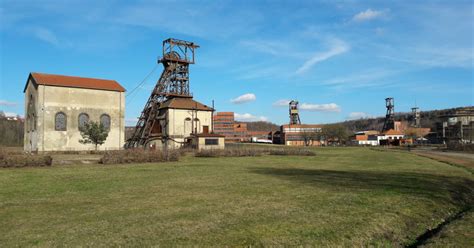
339 59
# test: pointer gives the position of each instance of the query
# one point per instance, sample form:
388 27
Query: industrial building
225 124
57 106
301 135
459 127
297 134
171 117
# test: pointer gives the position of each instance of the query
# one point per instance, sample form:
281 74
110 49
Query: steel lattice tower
390 116
173 82
294 115
416 116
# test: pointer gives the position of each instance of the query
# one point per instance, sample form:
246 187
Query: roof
302 126
74 82
208 135
184 103
393 132
225 113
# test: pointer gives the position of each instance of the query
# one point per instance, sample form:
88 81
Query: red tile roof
393 132
75 82
302 126
184 103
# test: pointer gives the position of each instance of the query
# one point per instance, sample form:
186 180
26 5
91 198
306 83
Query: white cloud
249 97
249 117
7 103
359 115
46 35
328 107
281 103
337 47
368 15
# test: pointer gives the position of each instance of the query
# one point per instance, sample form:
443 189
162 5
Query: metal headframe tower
390 116
173 82
416 116
294 115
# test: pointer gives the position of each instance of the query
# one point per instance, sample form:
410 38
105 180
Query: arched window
60 121
105 121
83 119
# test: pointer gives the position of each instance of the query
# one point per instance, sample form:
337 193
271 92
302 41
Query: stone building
57 106
182 119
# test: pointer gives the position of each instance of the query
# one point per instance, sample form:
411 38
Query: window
105 121
210 142
83 119
60 121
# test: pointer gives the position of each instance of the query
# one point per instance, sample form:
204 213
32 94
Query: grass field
342 196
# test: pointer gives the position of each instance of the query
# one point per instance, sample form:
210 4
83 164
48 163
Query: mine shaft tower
416 116
390 116
173 82
294 114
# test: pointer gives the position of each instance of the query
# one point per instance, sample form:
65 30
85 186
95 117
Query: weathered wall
201 143
74 101
32 129
178 128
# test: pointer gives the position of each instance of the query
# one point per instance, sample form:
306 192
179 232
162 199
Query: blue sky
339 59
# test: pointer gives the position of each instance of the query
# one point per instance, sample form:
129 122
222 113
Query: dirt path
465 160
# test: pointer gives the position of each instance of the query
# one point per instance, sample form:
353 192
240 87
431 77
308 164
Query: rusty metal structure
416 116
173 82
294 113
390 116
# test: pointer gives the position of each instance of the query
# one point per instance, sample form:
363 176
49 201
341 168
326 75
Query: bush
254 151
139 156
230 152
23 160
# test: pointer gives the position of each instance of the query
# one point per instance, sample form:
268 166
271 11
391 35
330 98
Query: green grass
342 196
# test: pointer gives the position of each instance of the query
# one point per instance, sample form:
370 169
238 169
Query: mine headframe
416 116
173 82
294 113
390 116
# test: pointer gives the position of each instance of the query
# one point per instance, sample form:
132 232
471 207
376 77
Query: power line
142 82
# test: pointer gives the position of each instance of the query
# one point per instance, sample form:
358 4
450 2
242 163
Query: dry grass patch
139 156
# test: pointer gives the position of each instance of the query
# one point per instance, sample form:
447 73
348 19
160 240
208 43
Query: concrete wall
179 129
74 101
200 143
32 126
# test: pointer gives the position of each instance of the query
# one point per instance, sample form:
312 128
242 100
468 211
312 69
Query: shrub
254 151
23 160
230 152
139 156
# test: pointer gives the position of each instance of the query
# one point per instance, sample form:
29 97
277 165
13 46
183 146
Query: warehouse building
300 135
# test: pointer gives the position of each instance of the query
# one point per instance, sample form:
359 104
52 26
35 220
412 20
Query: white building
57 106
182 119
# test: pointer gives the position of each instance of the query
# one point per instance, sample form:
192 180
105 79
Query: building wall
200 143
179 129
33 119
224 124
294 135
74 101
